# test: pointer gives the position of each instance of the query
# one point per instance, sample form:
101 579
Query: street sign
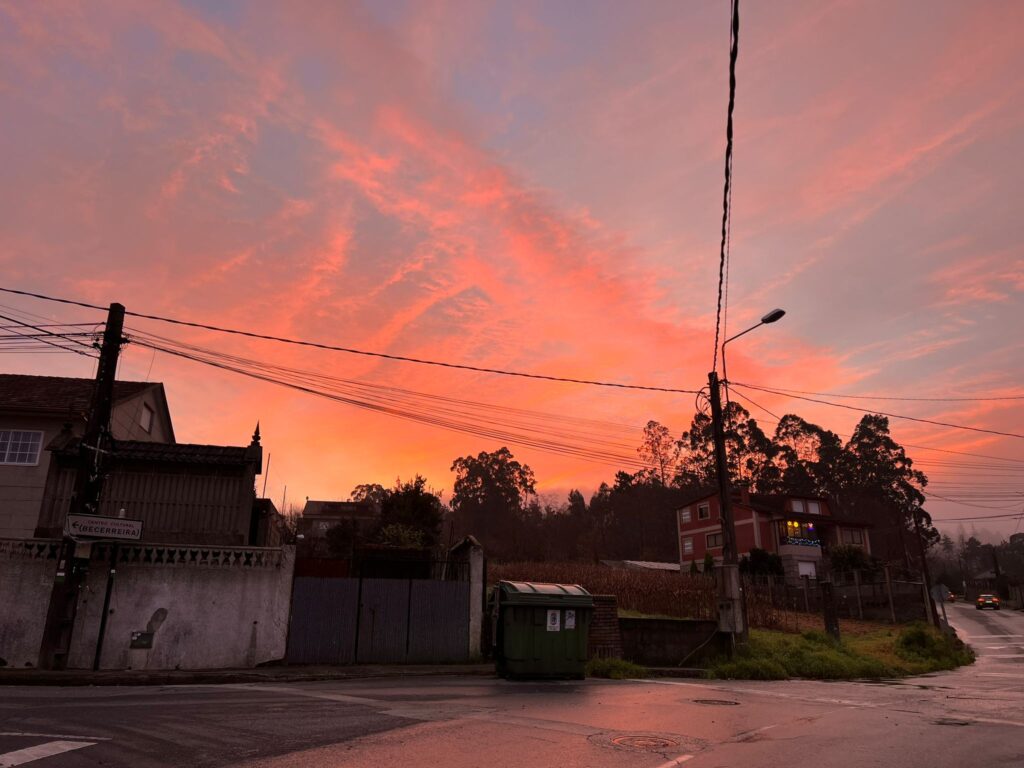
100 527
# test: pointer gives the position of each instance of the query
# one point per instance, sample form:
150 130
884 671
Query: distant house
184 493
318 517
793 527
35 410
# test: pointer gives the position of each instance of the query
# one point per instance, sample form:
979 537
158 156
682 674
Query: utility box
541 630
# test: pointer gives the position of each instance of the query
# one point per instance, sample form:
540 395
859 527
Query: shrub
615 669
921 643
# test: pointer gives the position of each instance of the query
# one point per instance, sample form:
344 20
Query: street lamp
774 316
731 613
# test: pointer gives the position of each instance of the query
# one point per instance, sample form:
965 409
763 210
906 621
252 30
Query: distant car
952 597
987 601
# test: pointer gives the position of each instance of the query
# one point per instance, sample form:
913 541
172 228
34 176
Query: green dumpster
540 630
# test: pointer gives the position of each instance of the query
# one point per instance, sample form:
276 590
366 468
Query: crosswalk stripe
38 752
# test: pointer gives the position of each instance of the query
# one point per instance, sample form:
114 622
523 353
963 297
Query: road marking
678 761
38 752
982 637
62 736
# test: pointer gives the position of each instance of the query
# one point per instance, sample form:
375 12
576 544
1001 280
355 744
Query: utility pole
929 607
85 499
731 608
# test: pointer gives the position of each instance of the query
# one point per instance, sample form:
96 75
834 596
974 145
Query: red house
793 527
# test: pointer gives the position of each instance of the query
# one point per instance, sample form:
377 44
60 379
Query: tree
749 452
413 506
709 564
660 452
808 457
877 480
489 494
374 493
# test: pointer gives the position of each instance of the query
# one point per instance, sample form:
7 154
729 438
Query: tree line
868 477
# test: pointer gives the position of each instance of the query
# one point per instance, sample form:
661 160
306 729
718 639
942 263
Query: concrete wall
203 616
207 607
670 642
27 570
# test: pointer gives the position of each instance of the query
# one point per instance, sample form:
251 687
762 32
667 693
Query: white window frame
688 545
709 536
807 565
813 508
848 536
704 511
685 516
5 447
796 505
147 424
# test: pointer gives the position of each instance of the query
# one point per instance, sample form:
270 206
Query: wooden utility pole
731 608
929 606
85 499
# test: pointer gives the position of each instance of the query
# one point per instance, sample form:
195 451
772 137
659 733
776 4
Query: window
714 540
688 545
852 536
146 418
813 508
808 569
17 447
704 512
797 505
684 515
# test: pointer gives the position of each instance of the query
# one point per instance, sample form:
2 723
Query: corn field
652 592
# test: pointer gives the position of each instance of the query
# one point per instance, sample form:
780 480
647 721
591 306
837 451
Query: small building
793 527
183 492
318 517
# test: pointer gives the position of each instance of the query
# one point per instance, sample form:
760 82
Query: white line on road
63 736
38 752
984 637
680 760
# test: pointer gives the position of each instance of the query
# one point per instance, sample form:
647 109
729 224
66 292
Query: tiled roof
177 453
57 394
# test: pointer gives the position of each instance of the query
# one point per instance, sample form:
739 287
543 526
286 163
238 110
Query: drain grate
950 721
717 702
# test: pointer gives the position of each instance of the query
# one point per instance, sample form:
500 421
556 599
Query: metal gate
378 621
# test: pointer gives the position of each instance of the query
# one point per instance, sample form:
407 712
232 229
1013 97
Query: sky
534 187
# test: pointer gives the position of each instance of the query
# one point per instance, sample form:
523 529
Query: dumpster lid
534 593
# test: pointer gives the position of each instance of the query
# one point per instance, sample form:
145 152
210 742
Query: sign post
101 527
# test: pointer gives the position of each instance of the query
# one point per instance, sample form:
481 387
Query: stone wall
27 569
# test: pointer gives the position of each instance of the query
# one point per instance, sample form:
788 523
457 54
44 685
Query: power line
734 39
44 334
886 397
365 353
933 422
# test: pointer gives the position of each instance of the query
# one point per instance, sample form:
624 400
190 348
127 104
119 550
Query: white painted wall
202 616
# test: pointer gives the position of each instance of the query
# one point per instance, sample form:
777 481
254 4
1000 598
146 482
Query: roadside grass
896 652
615 669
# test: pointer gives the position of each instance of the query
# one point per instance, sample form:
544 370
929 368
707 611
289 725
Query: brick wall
605 641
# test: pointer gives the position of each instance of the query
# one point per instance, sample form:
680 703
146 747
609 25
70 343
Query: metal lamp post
731 612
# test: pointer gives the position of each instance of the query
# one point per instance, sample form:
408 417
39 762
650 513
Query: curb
229 677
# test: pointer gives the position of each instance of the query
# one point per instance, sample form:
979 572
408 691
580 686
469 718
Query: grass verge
615 669
897 652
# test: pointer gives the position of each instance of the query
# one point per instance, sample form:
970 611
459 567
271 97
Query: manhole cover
666 743
717 702
644 743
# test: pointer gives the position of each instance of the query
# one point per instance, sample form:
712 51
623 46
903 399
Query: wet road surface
970 717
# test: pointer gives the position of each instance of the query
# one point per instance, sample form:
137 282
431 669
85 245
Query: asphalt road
970 717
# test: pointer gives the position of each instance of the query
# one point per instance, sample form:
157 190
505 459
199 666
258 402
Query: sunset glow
533 187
